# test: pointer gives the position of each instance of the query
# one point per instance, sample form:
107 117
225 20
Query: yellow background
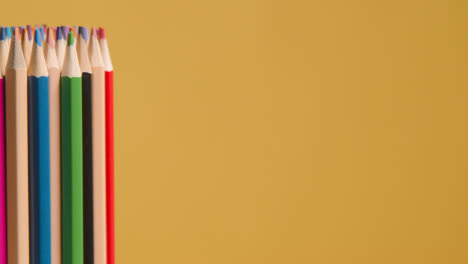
295 132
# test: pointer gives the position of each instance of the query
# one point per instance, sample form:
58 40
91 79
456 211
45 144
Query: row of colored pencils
56 146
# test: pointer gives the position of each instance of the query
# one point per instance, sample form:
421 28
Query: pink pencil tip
50 37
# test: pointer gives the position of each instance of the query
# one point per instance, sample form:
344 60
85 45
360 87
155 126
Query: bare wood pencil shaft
17 166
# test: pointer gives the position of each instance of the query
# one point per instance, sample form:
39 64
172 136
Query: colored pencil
39 155
16 109
99 149
9 35
86 74
4 48
109 77
29 28
54 111
26 44
61 45
30 31
42 33
72 156
66 30
3 223
73 29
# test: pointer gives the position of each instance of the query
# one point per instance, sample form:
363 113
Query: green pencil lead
71 38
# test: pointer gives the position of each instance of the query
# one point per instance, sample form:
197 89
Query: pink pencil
3 243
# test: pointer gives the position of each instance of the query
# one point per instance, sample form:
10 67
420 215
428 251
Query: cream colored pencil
16 106
61 44
99 149
54 117
26 44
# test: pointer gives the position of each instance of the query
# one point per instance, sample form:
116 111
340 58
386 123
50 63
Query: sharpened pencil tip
9 32
50 37
30 33
66 29
72 29
3 34
84 33
59 33
38 37
16 34
24 35
41 29
71 38
102 33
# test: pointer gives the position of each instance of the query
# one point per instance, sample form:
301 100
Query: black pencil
88 224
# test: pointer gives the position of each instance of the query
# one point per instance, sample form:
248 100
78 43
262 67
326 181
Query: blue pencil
42 33
39 155
9 34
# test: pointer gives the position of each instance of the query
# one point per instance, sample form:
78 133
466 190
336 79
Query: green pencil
72 156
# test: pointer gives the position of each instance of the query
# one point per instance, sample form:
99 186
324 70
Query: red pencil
109 97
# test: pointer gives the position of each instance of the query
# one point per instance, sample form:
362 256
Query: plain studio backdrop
256 131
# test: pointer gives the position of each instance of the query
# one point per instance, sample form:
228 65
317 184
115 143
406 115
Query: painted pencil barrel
72 170
17 166
99 147
55 168
88 169
3 241
109 77
16 140
39 170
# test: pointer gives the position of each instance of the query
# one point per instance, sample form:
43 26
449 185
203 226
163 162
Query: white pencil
60 46
26 44
99 149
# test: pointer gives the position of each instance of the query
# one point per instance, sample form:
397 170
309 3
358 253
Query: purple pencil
3 242
66 29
